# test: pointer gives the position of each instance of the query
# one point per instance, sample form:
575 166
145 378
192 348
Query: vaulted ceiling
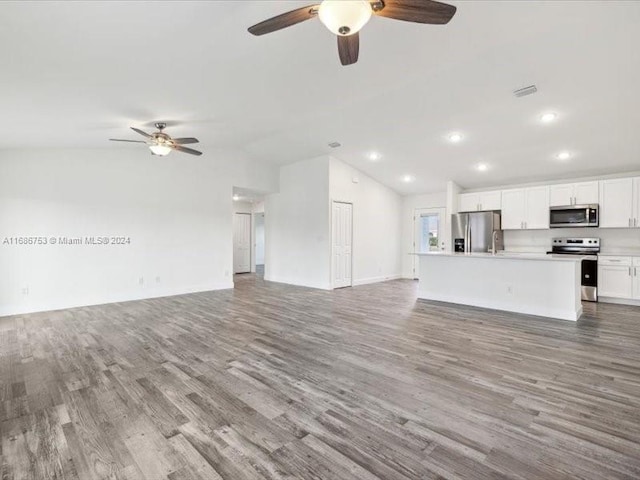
78 73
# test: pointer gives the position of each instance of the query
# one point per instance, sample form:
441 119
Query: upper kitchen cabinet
480 201
525 208
617 202
583 193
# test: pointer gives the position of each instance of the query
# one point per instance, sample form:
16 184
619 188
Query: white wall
297 246
175 210
376 223
409 205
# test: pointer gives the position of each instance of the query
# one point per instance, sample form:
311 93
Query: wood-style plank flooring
278 382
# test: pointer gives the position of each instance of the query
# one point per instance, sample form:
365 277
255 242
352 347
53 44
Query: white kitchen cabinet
636 278
583 193
636 202
513 209
525 208
479 201
561 195
468 202
617 203
537 208
586 193
615 277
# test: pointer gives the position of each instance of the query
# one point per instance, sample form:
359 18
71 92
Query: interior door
342 243
241 243
430 229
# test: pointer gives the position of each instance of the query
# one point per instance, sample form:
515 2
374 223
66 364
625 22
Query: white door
430 229
342 243
241 243
513 209
561 195
537 216
616 203
586 193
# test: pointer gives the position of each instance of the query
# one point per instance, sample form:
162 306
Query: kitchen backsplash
611 239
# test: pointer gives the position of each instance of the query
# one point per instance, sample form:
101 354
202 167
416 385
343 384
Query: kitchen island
535 284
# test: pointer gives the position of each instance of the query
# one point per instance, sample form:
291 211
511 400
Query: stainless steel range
589 248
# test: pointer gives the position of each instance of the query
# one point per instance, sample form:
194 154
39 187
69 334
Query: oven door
573 216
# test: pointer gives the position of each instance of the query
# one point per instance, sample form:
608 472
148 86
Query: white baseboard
9 310
287 281
367 281
620 301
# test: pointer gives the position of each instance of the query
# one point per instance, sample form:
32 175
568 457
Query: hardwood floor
279 382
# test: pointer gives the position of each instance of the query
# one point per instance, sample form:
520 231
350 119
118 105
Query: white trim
9 310
367 281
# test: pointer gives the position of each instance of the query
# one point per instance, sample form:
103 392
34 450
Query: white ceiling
78 73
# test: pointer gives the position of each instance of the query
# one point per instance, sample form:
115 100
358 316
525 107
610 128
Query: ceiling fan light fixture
344 17
160 150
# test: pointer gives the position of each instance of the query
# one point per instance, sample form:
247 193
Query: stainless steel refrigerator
474 232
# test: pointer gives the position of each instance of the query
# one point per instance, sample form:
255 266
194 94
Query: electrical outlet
157 279
510 290
25 290
141 280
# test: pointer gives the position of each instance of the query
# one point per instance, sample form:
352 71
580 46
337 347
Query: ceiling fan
345 18
162 144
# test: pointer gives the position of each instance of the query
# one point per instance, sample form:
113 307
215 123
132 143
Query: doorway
259 243
241 243
430 232
341 244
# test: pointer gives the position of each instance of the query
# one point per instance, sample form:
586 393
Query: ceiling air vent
523 92
335 144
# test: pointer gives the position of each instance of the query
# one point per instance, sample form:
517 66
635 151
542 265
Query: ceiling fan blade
186 150
184 141
285 20
132 141
144 134
348 48
418 11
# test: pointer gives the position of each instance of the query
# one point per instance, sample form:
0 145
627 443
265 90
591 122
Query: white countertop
508 256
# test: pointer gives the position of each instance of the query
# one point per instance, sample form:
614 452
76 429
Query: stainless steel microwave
574 216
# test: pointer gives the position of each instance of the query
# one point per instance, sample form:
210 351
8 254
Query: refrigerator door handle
468 243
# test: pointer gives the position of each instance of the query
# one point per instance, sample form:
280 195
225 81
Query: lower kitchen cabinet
616 277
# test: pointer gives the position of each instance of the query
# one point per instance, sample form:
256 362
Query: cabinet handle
635 271
629 271
635 222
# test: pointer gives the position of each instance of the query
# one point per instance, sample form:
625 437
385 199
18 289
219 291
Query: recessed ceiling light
482 167
563 156
455 137
374 156
236 198
548 117
408 178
